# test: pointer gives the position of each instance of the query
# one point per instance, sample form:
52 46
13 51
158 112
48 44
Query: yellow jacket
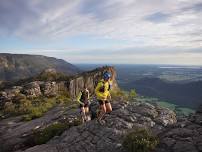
102 95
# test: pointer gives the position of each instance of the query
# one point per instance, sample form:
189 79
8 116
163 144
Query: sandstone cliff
72 86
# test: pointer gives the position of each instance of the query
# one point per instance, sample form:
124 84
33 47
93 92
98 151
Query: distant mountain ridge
187 94
20 66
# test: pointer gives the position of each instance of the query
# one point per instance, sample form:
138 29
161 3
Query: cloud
166 24
99 10
157 17
196 50
197 7
13 15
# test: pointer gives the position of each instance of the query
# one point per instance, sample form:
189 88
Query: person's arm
109 96
88 94
79 97
110 87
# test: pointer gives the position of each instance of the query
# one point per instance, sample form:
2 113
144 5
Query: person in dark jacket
83 100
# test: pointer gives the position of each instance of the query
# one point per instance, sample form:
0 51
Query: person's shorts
102 102
85 105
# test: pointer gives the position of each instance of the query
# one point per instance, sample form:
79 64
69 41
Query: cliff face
90 79
52 88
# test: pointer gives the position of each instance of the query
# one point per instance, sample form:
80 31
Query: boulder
9 95
32 90
49 89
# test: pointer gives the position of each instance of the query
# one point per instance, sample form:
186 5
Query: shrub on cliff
44 76
24 106
45 135
38 108
63 98
140 140
56 129
34 108
124 95
9 108
119 94
132 94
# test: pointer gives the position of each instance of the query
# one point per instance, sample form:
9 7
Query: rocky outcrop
90 79
50 89
184 136
9 95
32 90
91 136
14 133
72 86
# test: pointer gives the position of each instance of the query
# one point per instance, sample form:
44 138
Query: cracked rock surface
184 136
91 136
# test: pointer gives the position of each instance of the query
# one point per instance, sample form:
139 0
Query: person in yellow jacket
103 96
83 100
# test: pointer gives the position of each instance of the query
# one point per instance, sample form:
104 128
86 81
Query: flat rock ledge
91 136
184 136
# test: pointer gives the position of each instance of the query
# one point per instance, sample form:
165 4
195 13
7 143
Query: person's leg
86 109
102 110
87 113
108 107
83 116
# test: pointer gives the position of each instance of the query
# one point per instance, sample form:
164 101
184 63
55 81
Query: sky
104 31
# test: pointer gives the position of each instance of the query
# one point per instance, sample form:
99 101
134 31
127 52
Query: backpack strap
103 85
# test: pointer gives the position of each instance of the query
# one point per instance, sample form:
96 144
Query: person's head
106 76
